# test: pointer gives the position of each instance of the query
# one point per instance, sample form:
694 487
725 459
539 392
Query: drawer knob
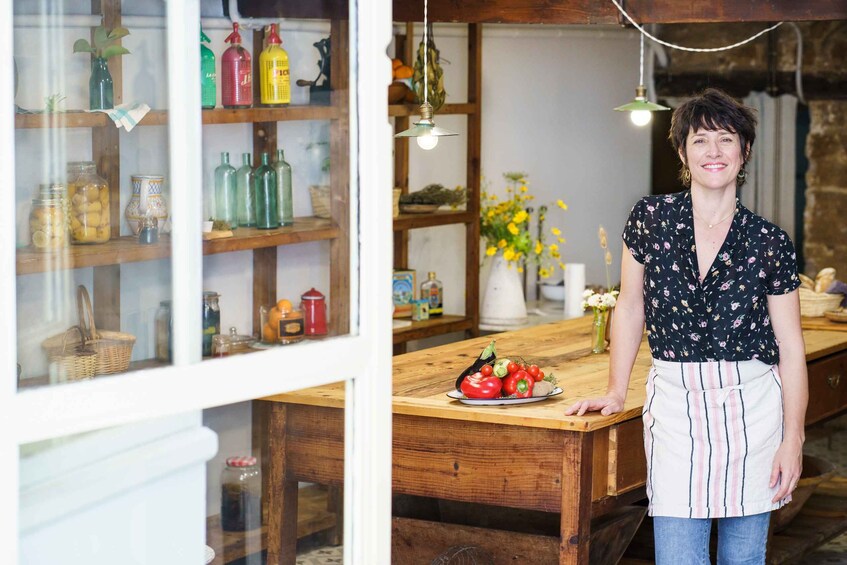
834 380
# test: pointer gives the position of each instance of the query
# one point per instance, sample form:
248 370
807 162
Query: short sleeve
782 277
633 232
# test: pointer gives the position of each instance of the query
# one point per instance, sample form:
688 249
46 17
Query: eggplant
487 357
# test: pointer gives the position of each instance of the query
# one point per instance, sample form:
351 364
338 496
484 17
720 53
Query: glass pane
91 162
276 181
280 464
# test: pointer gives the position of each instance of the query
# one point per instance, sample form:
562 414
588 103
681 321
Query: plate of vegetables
494 382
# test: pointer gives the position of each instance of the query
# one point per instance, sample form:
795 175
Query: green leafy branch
104 43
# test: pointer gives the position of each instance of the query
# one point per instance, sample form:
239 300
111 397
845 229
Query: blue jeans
685 541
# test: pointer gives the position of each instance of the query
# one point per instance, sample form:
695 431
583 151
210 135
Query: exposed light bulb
427 142
641 117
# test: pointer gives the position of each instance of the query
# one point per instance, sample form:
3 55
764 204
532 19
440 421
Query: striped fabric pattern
711 430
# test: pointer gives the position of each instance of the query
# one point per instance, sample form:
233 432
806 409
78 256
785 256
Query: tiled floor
830 445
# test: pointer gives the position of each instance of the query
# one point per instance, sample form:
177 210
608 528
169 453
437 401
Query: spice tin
420 310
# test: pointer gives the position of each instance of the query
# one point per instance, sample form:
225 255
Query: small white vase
503 304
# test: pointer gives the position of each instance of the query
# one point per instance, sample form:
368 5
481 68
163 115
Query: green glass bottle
283 183
244 185
264 181
226 195
208 76
100 86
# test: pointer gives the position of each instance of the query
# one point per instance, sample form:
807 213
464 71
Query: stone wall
825 217
771 62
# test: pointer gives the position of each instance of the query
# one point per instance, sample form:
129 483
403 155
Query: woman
727 392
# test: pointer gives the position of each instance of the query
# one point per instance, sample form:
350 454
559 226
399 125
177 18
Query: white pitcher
147 201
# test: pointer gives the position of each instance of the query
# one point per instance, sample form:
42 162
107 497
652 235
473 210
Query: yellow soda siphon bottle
274 79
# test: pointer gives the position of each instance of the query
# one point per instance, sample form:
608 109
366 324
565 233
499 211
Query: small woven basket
75 361
320 201
113 349
814 304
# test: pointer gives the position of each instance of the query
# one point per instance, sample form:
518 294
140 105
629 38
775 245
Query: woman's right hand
606 405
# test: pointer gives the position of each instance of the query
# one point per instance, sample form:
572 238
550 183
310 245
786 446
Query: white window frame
363 359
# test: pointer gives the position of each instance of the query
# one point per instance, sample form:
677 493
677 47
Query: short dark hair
713 109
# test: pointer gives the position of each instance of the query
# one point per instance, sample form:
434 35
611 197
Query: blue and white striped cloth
126 115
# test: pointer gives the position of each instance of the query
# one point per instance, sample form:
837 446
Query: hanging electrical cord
798 67
693 49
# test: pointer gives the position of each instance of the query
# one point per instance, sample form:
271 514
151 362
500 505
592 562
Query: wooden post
473 176
282 492
105 149
339 144
575 526
404 45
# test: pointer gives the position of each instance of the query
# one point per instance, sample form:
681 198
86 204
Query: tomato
533 371
540 376
486 370
512 367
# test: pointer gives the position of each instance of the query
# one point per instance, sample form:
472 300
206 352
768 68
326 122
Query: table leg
282 492
575 525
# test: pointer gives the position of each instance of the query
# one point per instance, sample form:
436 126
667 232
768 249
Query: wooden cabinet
106 259
406 45
827 387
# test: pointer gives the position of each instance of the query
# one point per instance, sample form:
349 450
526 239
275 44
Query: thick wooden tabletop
423 378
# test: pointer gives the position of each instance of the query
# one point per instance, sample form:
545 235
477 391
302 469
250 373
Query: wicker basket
320 201
814 304
74 361
113 349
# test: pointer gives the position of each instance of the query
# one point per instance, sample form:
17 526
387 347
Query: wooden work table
579 467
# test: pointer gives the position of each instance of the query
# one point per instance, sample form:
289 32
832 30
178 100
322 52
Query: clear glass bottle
226 193
88 195
244 184
433 291
264 181
211 320
164 334
241 495
283 183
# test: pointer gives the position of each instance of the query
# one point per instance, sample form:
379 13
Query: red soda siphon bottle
236 73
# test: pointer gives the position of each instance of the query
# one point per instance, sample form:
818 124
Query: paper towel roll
574 287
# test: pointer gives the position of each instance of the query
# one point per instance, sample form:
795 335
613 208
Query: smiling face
713 157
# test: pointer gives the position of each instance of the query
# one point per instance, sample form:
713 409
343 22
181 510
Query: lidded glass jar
88 196
48 223
241 495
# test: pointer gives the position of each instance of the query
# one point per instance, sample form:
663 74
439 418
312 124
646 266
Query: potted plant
100 87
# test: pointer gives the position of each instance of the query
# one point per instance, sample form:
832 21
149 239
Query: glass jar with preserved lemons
48 225
88 196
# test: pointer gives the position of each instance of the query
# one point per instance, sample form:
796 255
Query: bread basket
112 349
74 361
814 304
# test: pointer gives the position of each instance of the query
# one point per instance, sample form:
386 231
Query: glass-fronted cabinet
191 252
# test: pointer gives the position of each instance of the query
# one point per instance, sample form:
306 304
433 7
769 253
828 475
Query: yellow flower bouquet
505 227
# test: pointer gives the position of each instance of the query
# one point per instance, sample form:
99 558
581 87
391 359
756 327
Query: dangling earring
741 176
686 176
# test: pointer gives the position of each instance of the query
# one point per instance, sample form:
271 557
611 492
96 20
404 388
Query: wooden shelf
61 120
446 109
437 218
44 380
128 250
434 326
313 516
79 119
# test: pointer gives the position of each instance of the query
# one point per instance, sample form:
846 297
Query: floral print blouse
724 318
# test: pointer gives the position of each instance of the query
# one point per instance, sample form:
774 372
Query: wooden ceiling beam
562 12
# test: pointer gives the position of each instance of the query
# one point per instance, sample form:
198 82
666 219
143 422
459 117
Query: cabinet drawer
627 464
827 387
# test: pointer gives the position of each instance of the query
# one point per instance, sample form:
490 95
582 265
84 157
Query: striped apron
711 430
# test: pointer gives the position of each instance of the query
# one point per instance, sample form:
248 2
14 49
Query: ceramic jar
147 201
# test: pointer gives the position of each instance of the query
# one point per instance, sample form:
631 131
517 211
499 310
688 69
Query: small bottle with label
433 291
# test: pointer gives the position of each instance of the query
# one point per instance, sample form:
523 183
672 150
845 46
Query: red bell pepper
519 383
478 386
